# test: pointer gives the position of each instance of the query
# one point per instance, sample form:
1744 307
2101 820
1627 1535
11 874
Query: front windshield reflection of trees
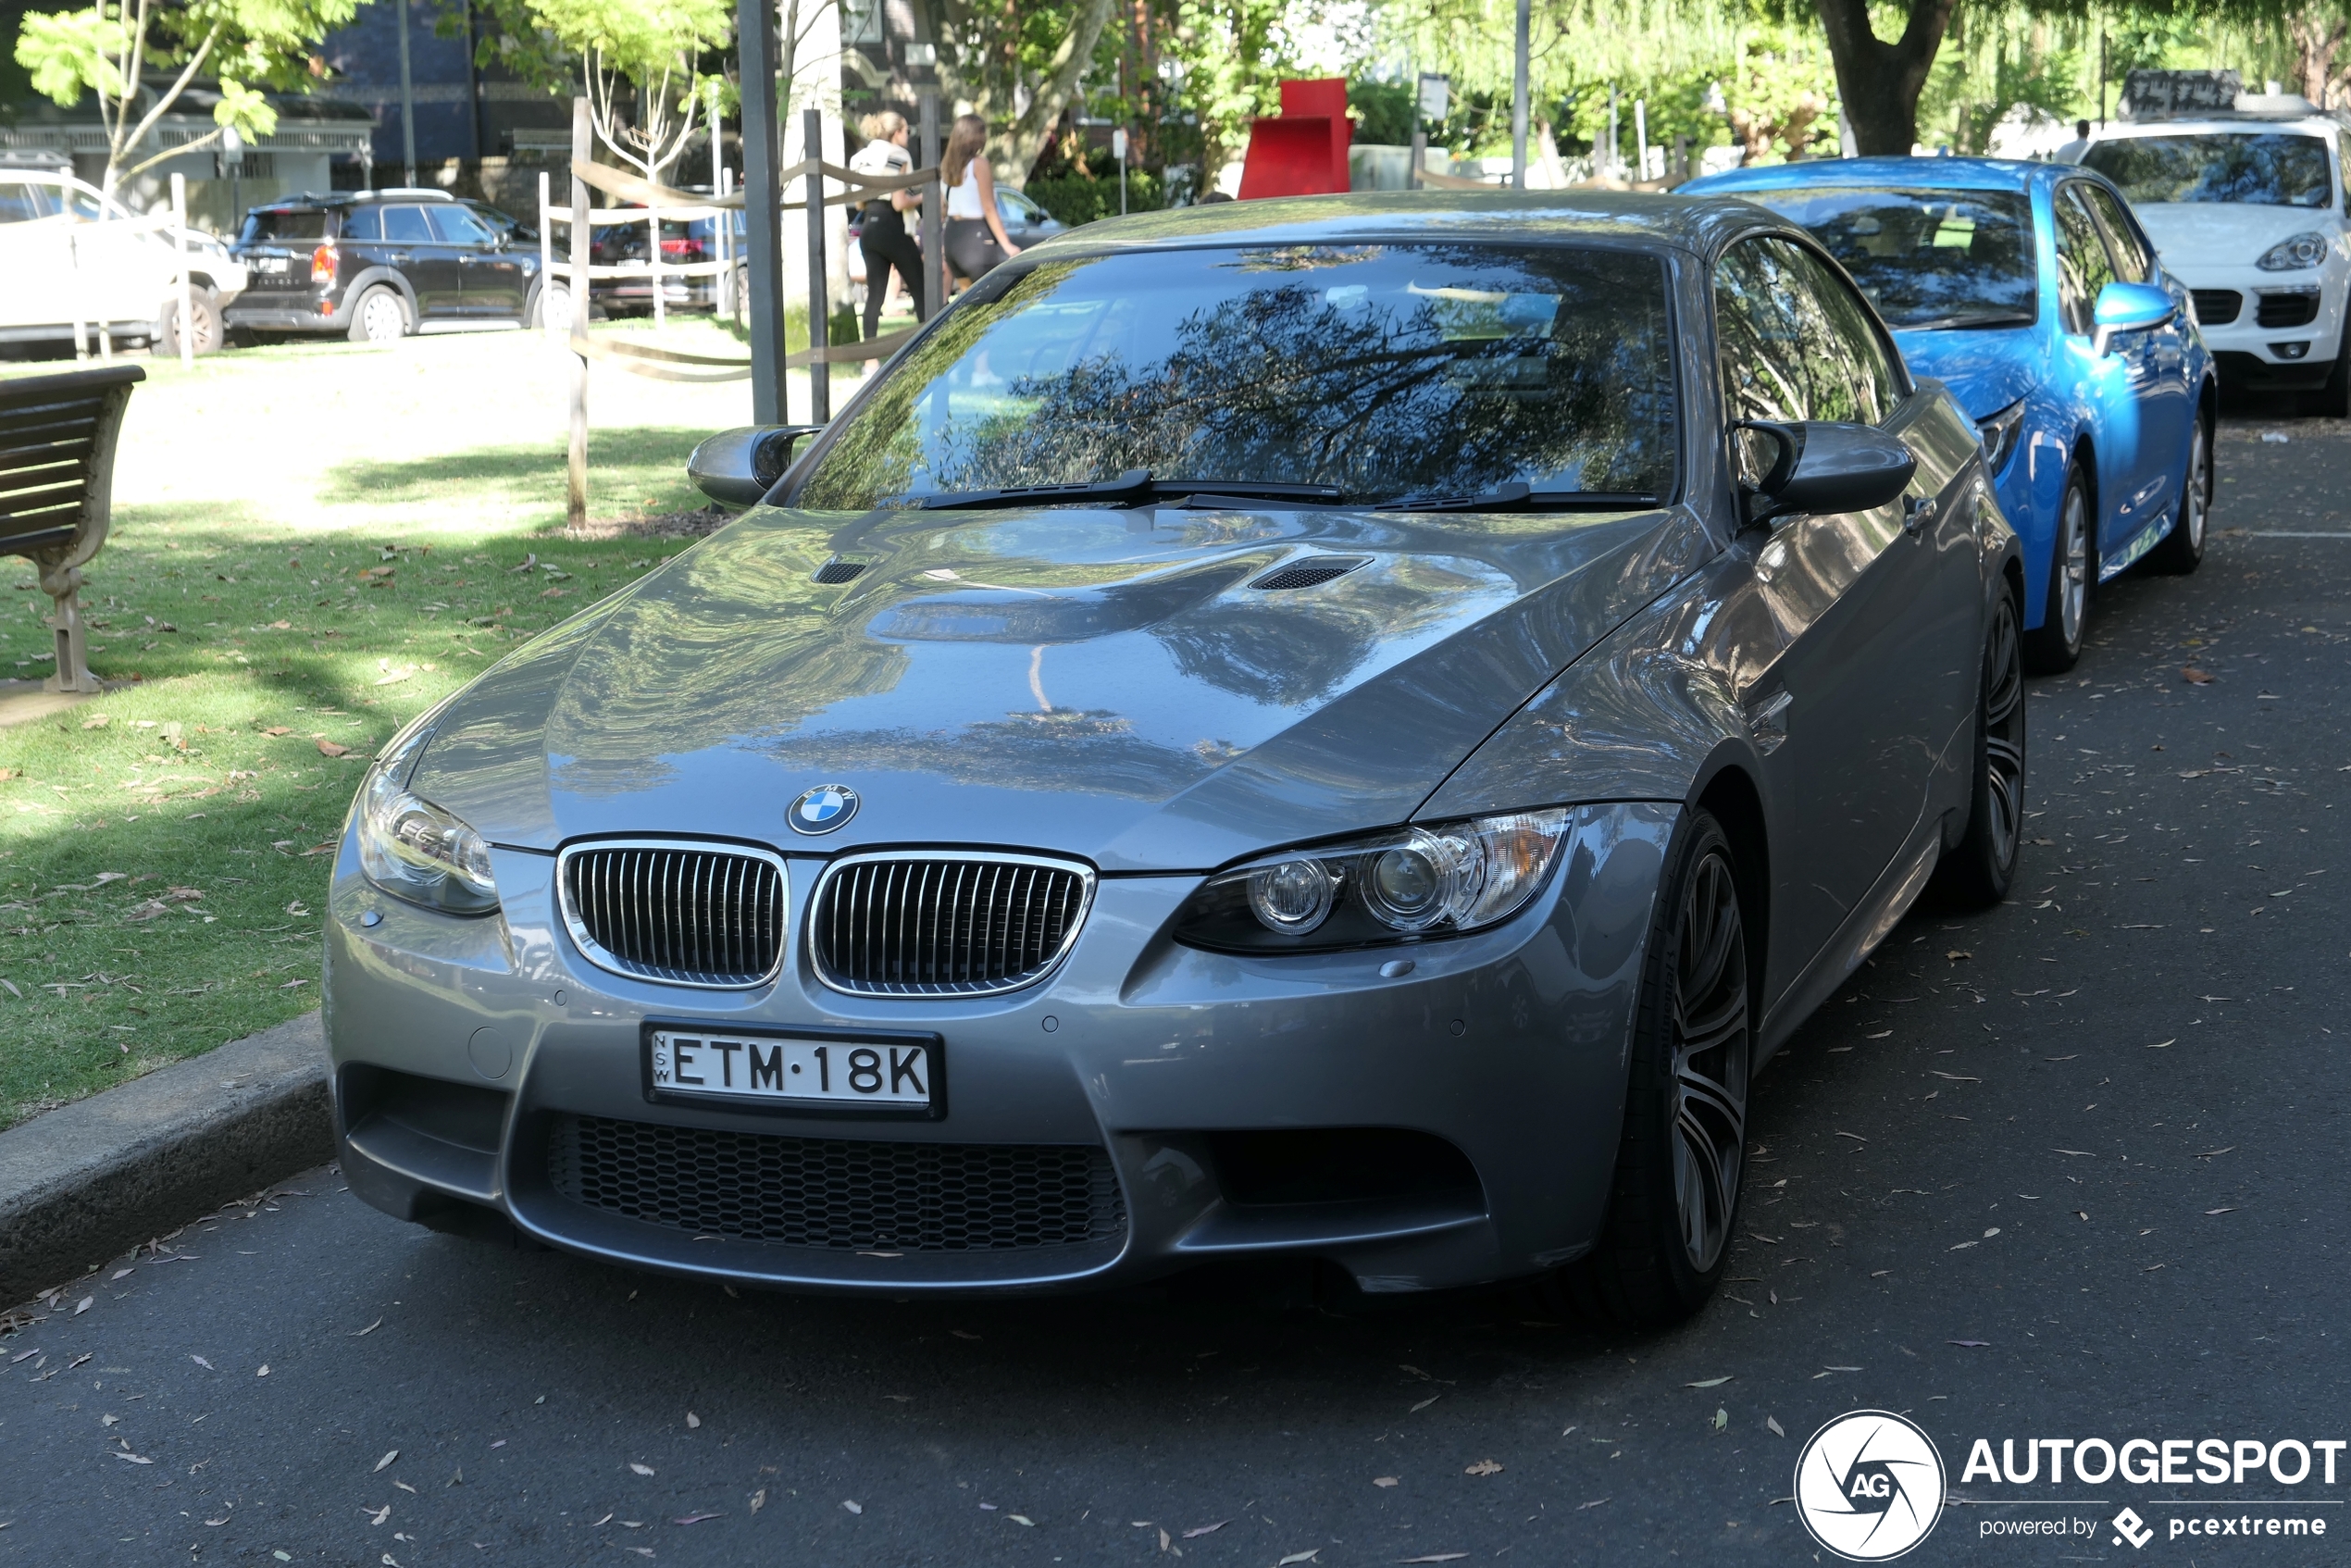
1927 258
1389 371
2262 169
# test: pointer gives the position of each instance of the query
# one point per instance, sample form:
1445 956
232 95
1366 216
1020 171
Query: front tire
550 309
1682 1155
2183 548
1978 872
379 316
204 318
2056 646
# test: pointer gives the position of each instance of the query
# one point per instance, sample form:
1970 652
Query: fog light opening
2291 351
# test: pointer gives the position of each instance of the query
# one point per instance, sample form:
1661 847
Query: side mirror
2129 307
738 468
1817 465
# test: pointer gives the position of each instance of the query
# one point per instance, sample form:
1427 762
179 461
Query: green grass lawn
312 544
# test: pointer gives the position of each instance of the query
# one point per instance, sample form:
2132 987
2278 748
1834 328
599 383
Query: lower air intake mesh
839 1193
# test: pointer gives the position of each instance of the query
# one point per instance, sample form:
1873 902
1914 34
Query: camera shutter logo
1869 1485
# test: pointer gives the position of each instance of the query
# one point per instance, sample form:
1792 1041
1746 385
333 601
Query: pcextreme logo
1869 1485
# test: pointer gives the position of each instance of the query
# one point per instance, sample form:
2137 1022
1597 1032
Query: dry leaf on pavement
1199 1530
1484 1467
852 1507
641 1469
384 1463
1772 1426
1384 1480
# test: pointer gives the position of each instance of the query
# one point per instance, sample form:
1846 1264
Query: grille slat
684 913
2216 307
840 1194
945 924
2296 309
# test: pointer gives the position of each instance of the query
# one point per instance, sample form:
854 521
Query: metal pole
187 289
583 150
1641 136
546 250
820 386
1518 100
407 98
763 204
934 255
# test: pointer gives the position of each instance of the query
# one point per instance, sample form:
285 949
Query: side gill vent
1312 572
836 571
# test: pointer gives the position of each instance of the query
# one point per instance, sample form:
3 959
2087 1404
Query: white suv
2248 210
71 256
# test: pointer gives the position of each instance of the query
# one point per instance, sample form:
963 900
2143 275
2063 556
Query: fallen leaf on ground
759 1499
2220 1210
84 1305
1307 1556
202 1363
1199 1530
1772 1425
1437 1557
695 1518
1955 954
1970 1344
385 1463
1708 1383
852 1507
369 1329
1425 1404
1385 1480
692 1421
1022 1519
641 1469
1593 1503
278 729
1484 1467
135 1458
329 749
2196 677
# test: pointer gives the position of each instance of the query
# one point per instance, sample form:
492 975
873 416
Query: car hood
2226 233
1098 682
1987 369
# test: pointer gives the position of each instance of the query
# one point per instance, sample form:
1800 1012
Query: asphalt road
2074 1168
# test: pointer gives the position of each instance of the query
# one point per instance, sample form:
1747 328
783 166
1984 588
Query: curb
86 1180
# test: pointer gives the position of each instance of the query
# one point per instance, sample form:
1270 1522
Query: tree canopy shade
110 49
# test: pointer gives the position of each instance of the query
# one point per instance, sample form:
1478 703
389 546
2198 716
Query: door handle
1919 511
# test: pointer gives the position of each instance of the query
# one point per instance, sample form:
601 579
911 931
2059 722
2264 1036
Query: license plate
770 1069
272 263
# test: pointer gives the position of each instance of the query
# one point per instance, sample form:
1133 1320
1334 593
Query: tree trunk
1879 82
2318 36
1015 144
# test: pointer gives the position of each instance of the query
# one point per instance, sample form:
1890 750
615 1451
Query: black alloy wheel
2183 548
1979 871
1682 1156
2056 646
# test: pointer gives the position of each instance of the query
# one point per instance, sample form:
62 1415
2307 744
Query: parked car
2031 290
2250 210
72 254
1357 761
684 241
377 266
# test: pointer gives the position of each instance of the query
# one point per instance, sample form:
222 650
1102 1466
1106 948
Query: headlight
1999 432
2287 255
1399 886
414 850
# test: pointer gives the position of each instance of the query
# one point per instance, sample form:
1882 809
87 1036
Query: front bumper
464 1052
2281 331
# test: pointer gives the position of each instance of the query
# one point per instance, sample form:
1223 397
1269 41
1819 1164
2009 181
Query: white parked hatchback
74 258
2248 209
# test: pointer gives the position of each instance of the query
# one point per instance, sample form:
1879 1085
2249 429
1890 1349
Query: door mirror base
738 468
2129 307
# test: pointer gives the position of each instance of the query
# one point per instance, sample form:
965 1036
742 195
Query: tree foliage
110 50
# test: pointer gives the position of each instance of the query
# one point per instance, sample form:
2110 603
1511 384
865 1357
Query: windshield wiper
1518 496
1981 318
1134 485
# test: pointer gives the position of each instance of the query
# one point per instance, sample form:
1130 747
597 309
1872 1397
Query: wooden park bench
56 490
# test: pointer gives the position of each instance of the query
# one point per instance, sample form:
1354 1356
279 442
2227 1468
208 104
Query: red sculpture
1304 151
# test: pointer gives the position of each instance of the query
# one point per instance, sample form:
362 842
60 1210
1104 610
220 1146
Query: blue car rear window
1927 259
2267 168
1383 369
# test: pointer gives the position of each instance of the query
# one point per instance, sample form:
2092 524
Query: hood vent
838 571
1312 572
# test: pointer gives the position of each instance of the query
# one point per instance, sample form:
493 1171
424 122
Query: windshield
1387 371
1926 258
2264 170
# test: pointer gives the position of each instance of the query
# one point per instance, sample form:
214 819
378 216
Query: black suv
378 265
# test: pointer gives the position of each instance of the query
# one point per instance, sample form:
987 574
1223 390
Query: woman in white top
975 237
882 228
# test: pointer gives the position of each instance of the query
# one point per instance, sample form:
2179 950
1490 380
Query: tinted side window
407 226
1856 351
1760 336
2131 260
457 226
362 223
23 202
2084 267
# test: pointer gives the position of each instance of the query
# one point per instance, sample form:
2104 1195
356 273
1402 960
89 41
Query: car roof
2312 124
310 200
1613 217
1946 174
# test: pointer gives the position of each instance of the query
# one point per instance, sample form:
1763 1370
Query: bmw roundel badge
821 810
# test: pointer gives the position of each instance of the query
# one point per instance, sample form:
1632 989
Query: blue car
2031 292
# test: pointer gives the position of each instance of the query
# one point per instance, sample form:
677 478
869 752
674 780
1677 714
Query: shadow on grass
631 458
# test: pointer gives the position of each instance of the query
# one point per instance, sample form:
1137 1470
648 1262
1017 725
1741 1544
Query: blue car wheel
2054 646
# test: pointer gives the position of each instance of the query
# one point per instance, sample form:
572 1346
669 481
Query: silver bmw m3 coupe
1341 728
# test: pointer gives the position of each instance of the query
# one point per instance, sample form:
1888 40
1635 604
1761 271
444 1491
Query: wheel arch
357 290
1731 796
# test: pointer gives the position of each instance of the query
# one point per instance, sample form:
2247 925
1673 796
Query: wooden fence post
187 289
820 385
583 150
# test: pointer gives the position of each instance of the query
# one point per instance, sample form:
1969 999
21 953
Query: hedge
1077 201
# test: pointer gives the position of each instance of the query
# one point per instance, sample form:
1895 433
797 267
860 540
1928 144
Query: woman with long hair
882 233
975 237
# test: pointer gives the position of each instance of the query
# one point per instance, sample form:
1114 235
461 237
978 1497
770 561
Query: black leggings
888 246
971 249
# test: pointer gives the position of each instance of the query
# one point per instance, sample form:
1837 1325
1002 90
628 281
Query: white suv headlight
2302 250
414 850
